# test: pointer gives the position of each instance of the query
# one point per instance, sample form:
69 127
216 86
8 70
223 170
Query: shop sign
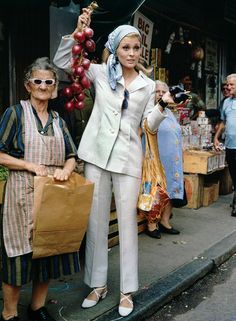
145 27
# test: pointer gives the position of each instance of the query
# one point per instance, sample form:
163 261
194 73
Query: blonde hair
146 70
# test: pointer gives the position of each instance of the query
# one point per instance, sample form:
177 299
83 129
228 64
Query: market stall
206 177
206 172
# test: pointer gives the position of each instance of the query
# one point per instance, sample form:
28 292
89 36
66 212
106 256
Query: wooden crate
2 184
216 191
210 193
200 162
226 185
113 237
194 190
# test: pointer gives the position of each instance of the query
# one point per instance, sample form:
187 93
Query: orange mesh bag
153 196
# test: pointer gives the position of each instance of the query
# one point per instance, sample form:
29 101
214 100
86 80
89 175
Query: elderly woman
33 141
170 150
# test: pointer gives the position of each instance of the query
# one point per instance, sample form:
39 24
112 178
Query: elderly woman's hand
62 174
39 170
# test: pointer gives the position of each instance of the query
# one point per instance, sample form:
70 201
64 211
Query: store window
177 49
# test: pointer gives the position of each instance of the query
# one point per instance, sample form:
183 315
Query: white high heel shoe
124 310
100 294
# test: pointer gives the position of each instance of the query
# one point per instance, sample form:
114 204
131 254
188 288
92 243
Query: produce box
210 193
226 184
194 190
200 162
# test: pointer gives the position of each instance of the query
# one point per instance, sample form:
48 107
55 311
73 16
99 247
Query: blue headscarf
114 69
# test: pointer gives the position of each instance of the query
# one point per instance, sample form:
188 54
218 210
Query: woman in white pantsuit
112 151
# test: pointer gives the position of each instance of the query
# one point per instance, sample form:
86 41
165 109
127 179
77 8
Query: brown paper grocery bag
61 212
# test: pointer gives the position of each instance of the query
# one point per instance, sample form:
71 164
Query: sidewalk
166 267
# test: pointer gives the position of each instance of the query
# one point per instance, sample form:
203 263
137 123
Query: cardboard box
162 74
200 162
226 184
194 190
202 121
216 191
210 193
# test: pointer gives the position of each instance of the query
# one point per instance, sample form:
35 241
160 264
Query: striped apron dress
18 268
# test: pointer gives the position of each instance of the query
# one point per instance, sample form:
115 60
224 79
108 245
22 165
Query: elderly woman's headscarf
114 69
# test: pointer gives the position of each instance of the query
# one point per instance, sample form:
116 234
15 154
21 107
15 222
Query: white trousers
126 189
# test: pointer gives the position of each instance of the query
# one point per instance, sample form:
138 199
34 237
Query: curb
223 250
150 299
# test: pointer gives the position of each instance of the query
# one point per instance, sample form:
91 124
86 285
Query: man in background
225 92
228 123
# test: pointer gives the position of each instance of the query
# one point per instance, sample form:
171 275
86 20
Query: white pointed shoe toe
98 294
126 305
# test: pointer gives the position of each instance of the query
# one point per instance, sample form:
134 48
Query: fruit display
80 63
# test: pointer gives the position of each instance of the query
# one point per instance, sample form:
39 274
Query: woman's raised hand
86 17
84 20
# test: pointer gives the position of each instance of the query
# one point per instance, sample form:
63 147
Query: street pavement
167 266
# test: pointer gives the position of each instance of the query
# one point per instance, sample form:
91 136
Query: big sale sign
145 27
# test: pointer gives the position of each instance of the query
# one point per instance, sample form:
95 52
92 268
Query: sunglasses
125 101
48 82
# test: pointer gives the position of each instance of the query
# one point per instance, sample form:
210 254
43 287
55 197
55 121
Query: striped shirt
12 129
